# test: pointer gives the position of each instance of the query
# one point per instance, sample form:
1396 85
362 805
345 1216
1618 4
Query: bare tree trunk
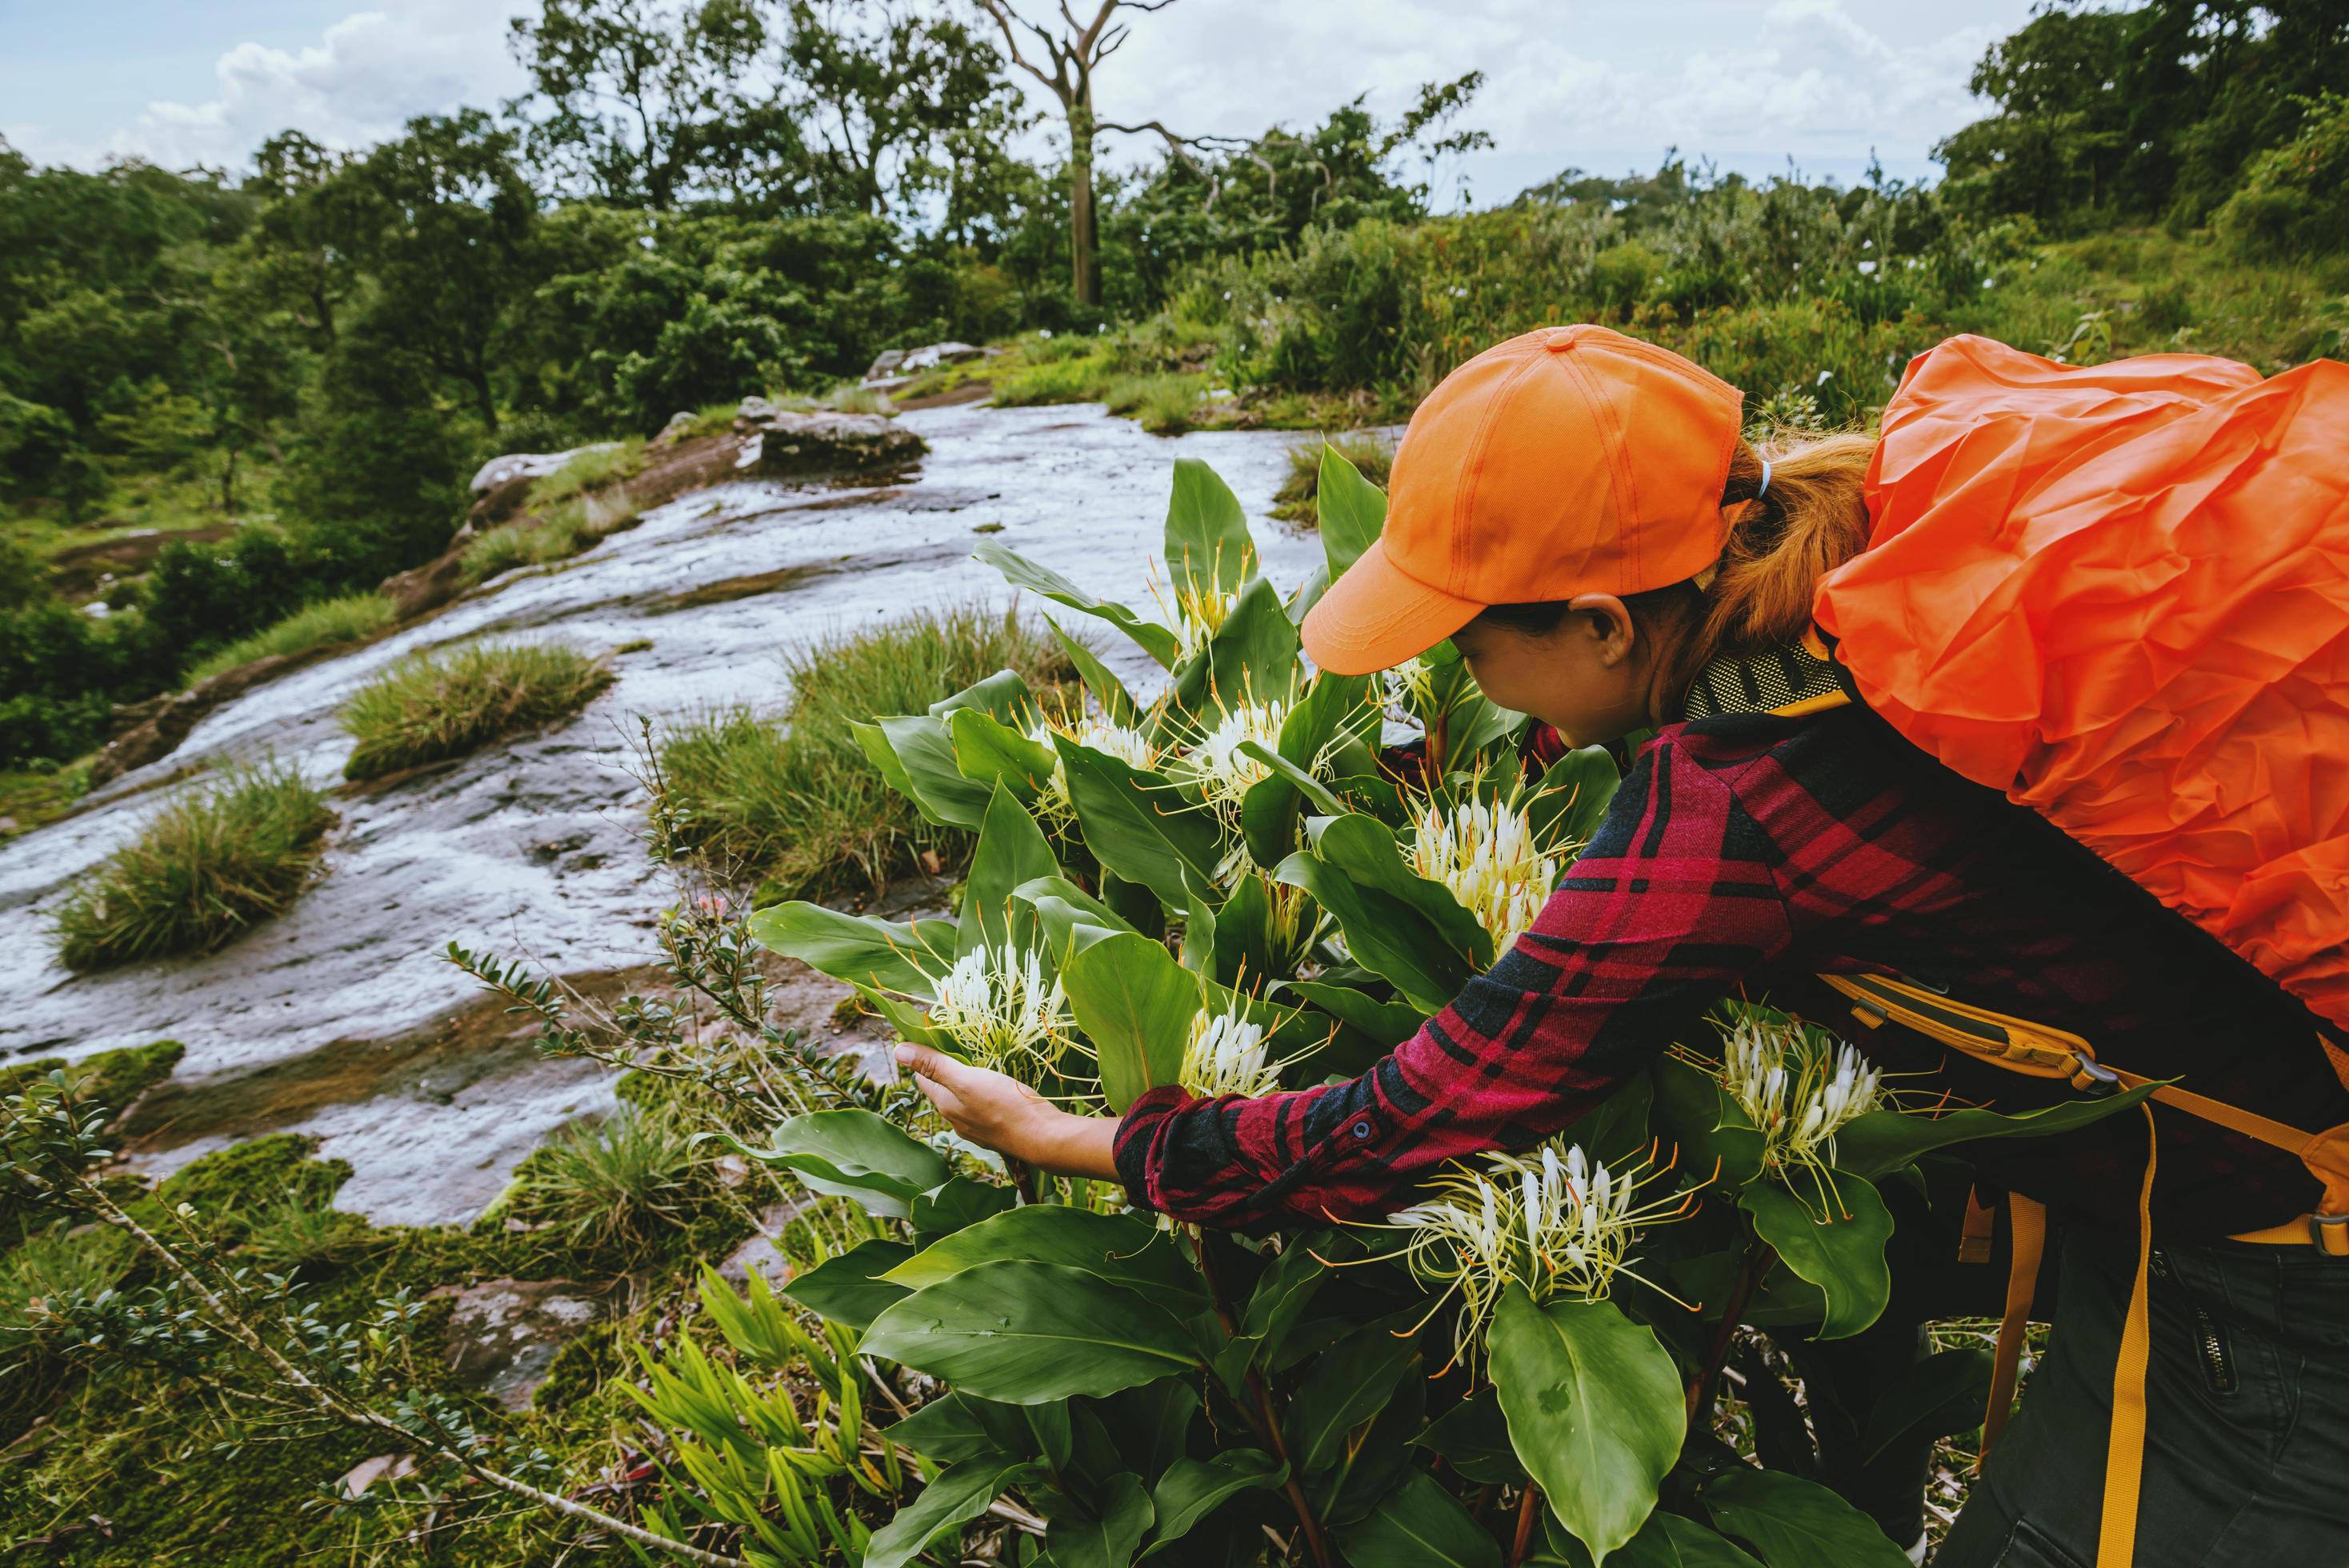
1084 226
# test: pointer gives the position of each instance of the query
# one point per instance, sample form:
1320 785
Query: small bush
1163 405
2294 199
592 469
613 1185
573 526
1374 454
793 796
223 857
344 619
431 707
1076 379
298 1234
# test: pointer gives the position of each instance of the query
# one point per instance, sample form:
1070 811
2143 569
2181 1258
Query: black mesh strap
1762 683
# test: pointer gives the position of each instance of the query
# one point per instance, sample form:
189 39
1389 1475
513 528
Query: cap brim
1377 615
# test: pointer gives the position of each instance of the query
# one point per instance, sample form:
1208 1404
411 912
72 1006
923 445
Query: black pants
2246 1416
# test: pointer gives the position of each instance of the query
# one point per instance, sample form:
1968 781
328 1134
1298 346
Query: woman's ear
1608 620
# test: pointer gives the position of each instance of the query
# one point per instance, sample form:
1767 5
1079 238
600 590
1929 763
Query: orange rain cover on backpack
2120 593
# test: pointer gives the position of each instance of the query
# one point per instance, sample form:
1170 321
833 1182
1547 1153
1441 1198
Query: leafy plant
613 1184
224 856
431 707
1230 890
1372 455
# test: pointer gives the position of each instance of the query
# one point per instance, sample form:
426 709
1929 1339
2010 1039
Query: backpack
2120 594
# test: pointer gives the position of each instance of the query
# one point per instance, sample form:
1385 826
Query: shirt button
1362 1129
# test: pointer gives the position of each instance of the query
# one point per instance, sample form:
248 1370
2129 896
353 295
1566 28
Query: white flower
1797 1092
1226 1055
1223 774
996 1005
1487 856
1867 269
1408 686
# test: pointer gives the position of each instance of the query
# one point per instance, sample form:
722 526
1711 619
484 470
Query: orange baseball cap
1570 459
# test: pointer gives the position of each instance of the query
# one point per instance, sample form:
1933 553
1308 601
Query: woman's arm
1672 905
1012 1118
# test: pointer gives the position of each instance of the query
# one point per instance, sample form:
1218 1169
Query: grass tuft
431 707
1076 379
344 619
221 858
590 470
1164 404
793 797
613 1186
1301 487
574 526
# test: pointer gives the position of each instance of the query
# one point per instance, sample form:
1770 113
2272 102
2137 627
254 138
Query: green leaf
1072 917
1155 640
1192 1489
1138 826
1107 689
1365 849
1575 793
956 1204
991 752
851 1153
1419 1525
1939 1397
1316 793
1388 1023
1029 1333
1207 541
953 1427
1003 696
1595 1411
954 1498
1135 1004
1104 1535
1841 1251
849 1288
1284 1290
1473 1438
1349 1383
908 1022
1383 933
1012 851
1252 658
1692 1108
883 755
926 761
1666 1541
1794 1523
1351 509
1119 1248
1872 1144
856 949
1152 1424
1615 1130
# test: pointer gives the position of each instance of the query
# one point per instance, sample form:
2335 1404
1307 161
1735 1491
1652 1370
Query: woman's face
1588 676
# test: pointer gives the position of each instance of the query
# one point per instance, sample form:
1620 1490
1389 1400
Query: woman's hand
1003 1114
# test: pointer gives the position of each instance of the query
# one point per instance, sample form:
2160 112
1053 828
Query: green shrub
1075 379
613 1185
591 468
793 796
344 619
1370 453
40 1278
575 525
431 707
2294 199
226 855
1164 404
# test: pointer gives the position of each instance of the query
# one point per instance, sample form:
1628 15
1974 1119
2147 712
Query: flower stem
1701 1390
1528 1509
1258 1409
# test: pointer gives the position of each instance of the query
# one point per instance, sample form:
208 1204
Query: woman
1578 513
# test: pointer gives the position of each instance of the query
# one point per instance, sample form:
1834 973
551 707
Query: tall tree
313 224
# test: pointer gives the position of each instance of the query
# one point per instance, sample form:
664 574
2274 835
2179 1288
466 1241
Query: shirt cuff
1137 1133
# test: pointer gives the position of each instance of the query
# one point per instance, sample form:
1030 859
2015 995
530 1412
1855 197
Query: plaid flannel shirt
1744 855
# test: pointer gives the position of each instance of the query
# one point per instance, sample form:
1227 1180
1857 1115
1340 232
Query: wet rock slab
504 1334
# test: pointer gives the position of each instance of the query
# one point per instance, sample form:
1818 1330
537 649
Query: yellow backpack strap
2026 1232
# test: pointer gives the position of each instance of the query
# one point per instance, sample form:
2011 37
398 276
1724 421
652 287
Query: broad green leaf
1388 1023
991 752
1135 1004
1365 849
956 1204
1473 1438
1692 1108
1351 509
849 1288
1029 1333
1840 1251
1054 1433
1384 935
1349 1383
1155 640
1072 917
954 1427
1872 1144
1595 1411
1615 1130
1107 689
1151 1425
1137 825
1012 851
1309 593
850 1154
1119 1248
906 1020
1192 1489
1252 658
1331 714
1939 1397
1207 541
1794 1523
1316 793
857 949
926 762
883 755
954 1498
1666 1541
1575 793
1284 1290
1419 1525
1003 696
1104 1535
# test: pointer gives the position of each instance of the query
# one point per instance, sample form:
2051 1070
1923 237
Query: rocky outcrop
897 365
784 443
500 471
503 1334
156 726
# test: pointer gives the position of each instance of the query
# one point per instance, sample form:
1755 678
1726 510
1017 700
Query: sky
1753 86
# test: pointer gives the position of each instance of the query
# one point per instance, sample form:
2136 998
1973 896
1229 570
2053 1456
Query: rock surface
903 362
503 1334
783 443
503 470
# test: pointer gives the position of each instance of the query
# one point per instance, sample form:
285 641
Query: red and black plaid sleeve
1674 902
